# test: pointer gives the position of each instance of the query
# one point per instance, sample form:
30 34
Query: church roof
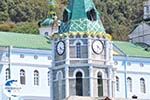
130 49
47 22
24 40
81 16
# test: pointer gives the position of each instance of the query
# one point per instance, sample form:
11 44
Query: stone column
90 67
67 67
91 80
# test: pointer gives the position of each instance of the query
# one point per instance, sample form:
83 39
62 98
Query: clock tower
82 54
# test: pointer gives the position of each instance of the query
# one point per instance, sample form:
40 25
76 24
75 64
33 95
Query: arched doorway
79 85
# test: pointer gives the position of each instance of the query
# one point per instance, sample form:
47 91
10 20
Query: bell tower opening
79 85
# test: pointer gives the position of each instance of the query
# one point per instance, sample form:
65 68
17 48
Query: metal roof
77 18
24 40
130 49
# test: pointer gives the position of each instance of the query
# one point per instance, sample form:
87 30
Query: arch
59 75
79 84
78 70
129 84
78 41
100 84
117 83
100 71
22 76
36 77
142 85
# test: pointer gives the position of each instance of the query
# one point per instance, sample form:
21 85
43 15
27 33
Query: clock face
60 47
97 46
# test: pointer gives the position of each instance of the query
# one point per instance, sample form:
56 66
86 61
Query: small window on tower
65 16
91 14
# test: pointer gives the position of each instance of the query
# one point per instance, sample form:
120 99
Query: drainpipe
9 63
125 76
125 70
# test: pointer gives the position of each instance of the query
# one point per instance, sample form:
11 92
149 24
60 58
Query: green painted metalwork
131 50
79 17
24 40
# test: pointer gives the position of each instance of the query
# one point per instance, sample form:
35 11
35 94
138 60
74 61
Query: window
21 55
147 9
7 72
22 76
36 77
35 57
78 50
49 57
46 33
65 16
100 84
117 83
79 86
91 15
129 84
48 76
142 85
141 65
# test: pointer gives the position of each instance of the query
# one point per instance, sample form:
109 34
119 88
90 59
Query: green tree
3 11
27 10
120 16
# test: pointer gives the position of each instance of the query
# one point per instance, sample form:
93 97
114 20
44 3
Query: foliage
7 26
120 16
3 10
23 10
26 27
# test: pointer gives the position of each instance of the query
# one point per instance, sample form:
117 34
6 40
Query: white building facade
79 61
28 66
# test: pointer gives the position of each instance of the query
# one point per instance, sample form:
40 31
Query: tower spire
81 16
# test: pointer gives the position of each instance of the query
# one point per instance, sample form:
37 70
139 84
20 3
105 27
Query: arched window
129 84
36 77
100 84
7 73
91 15
78 50
117 83
142 85
79 85
22 76
65 16
48 78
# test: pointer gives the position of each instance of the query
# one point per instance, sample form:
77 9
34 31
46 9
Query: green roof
24 40
131 49
47 22
77 14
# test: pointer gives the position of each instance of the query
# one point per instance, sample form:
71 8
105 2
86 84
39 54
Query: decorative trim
78 70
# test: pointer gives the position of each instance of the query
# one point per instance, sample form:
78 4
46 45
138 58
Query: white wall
135 71
29 64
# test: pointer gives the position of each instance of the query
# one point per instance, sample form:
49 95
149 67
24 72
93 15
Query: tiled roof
77 18
24 40
130 49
